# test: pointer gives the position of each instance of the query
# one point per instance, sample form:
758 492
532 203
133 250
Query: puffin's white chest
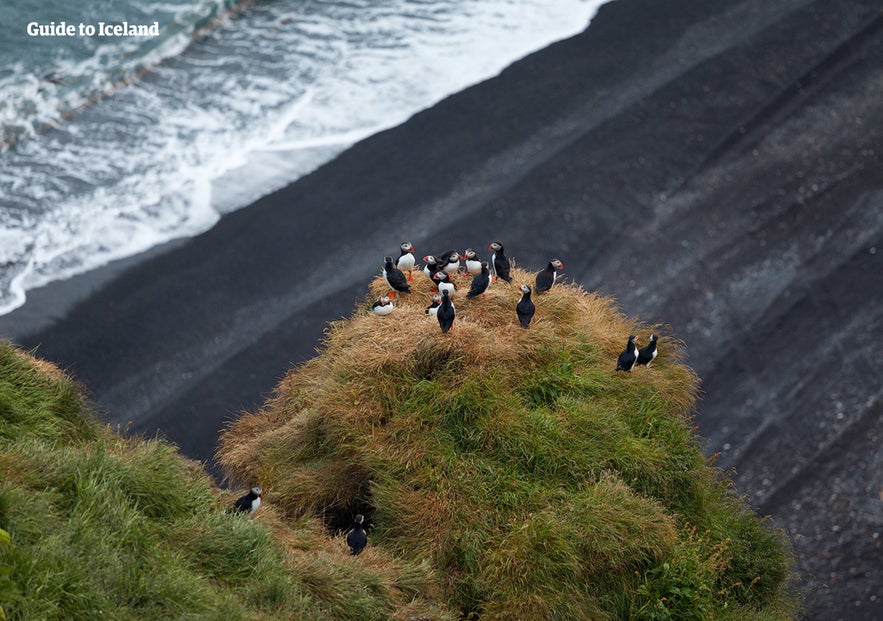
446 286
382 310
406 262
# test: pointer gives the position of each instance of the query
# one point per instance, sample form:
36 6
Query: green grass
534 479
507 473
103 526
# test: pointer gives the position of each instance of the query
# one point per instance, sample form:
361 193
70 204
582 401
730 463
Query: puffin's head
384 300
654 338
440 276
558 265
429 259
387 260
359 519
407 247
469 253
436 298
633 338
257 491
495 246
525 288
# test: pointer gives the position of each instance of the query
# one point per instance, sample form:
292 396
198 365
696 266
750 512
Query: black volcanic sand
715 165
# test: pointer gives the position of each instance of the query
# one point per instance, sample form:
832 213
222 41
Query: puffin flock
443 269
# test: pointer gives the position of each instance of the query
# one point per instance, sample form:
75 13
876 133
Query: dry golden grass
43 367
516 461
340 383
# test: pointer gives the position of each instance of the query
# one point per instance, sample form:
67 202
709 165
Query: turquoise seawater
42 77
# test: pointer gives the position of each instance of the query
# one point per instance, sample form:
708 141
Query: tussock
535 480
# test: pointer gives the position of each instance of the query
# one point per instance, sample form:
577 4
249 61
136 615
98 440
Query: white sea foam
266 98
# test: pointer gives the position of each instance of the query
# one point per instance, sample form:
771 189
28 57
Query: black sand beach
715 166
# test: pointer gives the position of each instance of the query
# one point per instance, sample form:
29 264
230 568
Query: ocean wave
265 98
49 77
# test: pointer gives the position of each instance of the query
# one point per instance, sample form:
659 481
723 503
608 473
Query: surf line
137 75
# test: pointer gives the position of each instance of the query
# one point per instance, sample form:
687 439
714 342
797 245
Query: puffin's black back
243 505
395 278
645 355
446 313
545 279
357 539
480 283
525 309
628 357
501 265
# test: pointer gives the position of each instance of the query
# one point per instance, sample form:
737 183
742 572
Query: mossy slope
536 480
103 526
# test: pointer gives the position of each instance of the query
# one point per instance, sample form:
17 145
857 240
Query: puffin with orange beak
406 260
250 502
499 262
547 277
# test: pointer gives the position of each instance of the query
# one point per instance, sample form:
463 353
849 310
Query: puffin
357 538
525 308
406 260
383 306
628 357
450 262
481 282
647 354
444 282
446 312
499 261
473 263
250 502
546 278
432 309
431 266
394 277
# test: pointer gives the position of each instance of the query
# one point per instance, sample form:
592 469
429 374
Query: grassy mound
535 480
101 526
